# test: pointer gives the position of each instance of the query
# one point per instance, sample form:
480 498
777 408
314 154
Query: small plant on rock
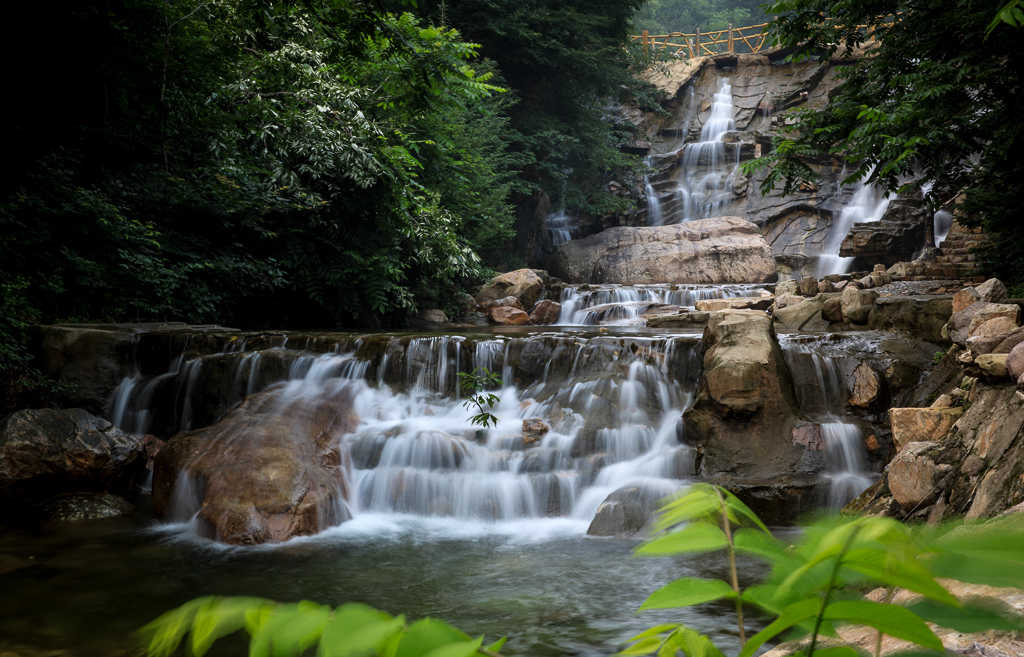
475 384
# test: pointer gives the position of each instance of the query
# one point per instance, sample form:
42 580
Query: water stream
867 203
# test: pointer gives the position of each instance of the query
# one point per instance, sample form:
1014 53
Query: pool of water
84 588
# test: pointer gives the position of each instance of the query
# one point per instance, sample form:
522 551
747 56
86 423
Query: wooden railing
749 39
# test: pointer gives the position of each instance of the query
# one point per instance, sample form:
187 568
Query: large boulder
524 284
920 316
856 304
44 452
507 315
270 470
89 361
546 312
721 250
912 474
744 417
627 510
970 319
915 425
1015 361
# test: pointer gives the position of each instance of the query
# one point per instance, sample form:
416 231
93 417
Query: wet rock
865 387
923 317
534 430
805 315
524 284
788 286
911 425
268 471
681 319
88 361
739 303
744 414
911 474
808 286
973 316
627 511
75 507
832 309
721 250
433 316
48 451
786 300
545 312
507 315
856 304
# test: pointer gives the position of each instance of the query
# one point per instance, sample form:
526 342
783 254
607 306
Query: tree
929 95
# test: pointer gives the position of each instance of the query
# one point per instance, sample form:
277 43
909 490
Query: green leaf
357 629
795 613
643 647
688 591
654 631
890 569
759 544
737 505
460 649
893 620
289 630
974 616
425 635
166 632
497 645
695 644
219 617
695 537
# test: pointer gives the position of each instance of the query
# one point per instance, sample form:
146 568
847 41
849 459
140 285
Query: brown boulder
1009 342
832 309
720 250
48 451
973 316
964 298
737 303
545 312
744 415
524 284
507 315
270 470
992 290
808 286
856 304
911 425
865 386
911 475
534 429
993 365
1015 361
804 315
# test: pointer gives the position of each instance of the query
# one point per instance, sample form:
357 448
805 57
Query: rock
74 507
976 314
805 315
89 362
721 250
825 286
1009 342
808 286
524 284
534 430
681 319
788 286
1000 325
433 316
856 304
507 315
627 510
943 401
1015 361
964 298
744 414
922 317
782 301
911 474
466 303
865 387
832 309
270 470
739 303
911 425
545 312
510 301
994 365
992 291
48 451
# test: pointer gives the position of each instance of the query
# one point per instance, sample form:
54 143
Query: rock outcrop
270 470
524 284
46 452
721 250
627 511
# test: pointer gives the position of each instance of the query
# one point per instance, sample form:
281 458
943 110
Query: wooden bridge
749 39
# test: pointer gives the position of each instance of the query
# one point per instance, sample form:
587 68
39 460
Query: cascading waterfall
822 395
707 176
624 305
943 222
654 216
868 203
612 407
559 227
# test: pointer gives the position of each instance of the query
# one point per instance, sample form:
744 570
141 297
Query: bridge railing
748 39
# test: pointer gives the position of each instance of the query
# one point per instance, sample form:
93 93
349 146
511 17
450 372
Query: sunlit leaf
688 591
695 537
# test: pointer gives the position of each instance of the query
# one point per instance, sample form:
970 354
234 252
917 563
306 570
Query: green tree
932 92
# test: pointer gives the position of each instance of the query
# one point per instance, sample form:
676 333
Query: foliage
819 583
287 630
294 164
475 384
663 16
928 98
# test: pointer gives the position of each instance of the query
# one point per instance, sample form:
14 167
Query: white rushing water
611 407
707 173
867 203
624 305
559 226
822 395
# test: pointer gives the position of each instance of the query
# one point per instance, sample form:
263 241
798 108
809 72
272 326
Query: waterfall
868 203
624 305
654 217
943 223
821 394
559 227
707 177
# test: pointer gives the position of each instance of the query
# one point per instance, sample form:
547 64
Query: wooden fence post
732 44
645 39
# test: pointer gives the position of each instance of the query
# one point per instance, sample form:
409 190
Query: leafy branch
475 384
